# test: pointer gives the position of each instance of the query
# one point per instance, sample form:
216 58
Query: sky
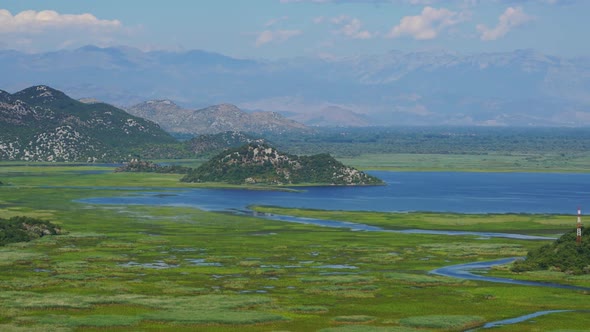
271 29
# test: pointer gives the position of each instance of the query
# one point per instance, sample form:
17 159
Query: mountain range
519 88
213 119
43 124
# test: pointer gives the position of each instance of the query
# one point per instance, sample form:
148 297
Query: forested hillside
43 124
562 255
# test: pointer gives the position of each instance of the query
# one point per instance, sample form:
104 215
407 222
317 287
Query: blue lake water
405 192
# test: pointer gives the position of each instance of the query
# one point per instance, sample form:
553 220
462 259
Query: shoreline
354 162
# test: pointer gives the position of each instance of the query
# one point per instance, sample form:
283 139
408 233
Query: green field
142 268
493 162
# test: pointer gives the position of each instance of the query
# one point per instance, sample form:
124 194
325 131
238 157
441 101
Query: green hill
43 124
562 255
259 163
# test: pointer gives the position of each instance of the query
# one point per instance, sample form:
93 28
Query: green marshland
121 268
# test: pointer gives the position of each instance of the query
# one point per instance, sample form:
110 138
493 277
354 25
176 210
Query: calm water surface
404 192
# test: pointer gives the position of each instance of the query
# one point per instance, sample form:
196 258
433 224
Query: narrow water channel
463 271
368 228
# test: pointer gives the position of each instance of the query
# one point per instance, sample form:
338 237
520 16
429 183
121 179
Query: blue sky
290 28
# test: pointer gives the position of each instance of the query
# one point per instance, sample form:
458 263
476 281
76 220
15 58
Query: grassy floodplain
124 268
493 162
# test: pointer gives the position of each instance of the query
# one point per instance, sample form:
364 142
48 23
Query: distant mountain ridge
43 124
215 143
518 88
333 116
213 119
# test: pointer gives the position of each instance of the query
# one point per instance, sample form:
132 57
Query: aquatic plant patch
34 328
9 256
310 309
339 279
443 321
368 328
353 319
212 317
89 320
458 249
342 291
419 279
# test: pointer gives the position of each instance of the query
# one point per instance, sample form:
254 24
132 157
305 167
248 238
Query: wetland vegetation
156 268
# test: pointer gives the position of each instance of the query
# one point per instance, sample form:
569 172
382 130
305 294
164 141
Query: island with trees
259 163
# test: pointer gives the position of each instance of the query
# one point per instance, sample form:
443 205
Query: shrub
22 229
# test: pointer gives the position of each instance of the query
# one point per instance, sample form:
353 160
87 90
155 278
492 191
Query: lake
461 192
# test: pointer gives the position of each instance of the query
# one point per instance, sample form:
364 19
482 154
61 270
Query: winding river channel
464 271
368 228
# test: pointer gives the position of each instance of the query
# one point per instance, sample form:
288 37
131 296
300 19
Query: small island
259 163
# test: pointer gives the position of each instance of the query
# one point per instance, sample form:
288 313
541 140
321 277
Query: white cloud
427 25
432 2
510 19
34 31
314 1
319 20
351 27
275 21
421 2
412 2
278 36
32 22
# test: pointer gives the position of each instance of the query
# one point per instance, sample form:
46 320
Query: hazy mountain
43 124
215 143
522 87
213 119
163 112
332 116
